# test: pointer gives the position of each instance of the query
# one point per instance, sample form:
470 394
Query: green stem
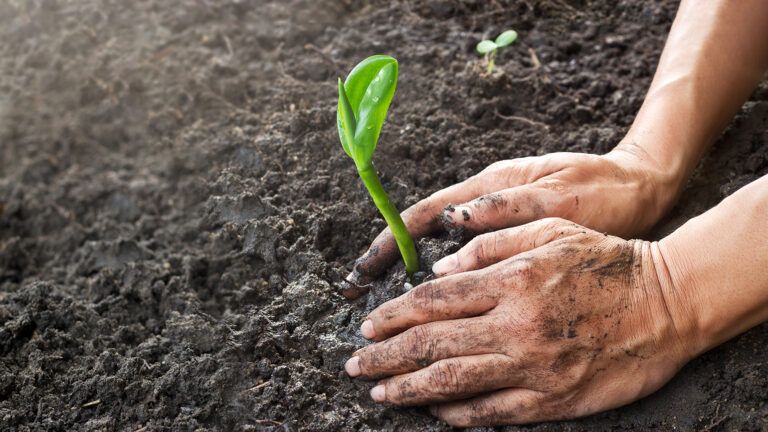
392 216
491 61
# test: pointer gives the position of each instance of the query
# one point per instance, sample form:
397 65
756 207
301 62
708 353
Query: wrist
715 263
684 289
670 318
676 285
661 185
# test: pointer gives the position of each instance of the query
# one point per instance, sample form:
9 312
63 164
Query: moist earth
176 209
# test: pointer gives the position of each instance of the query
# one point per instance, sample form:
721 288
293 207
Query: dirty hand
545 321
622 193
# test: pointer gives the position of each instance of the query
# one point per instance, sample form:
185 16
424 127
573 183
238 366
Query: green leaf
369 89
362 108
506 38
345 121
486 46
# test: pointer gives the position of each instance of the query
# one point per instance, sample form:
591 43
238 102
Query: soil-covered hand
621 193
545 321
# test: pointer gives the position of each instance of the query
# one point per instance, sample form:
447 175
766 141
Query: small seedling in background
364 100
489 47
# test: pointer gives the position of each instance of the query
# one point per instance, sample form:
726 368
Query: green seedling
489 47
364 100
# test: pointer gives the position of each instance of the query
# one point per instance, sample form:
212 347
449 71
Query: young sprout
364 99
489 47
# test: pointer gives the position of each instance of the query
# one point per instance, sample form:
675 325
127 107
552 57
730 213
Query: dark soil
175 207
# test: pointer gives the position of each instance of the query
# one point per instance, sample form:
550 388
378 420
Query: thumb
382 254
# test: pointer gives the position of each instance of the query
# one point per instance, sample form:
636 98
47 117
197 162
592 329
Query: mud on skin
540 318
176 209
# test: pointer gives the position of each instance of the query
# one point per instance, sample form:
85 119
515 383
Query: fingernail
464 212
367 329
352 366
379 393
445 265
350 288
352 276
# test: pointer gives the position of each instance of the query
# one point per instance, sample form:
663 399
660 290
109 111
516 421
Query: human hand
545 321
621 193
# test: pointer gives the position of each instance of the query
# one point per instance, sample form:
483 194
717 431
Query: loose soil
175 208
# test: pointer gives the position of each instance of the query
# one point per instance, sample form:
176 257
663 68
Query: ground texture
175 207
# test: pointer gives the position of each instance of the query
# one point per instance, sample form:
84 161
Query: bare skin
564 322
550 319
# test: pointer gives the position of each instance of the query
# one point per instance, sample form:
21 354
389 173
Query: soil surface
175 207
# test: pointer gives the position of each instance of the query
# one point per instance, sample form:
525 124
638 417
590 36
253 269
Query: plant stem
491 61
392 216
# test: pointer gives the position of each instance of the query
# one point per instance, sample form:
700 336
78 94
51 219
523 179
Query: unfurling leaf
369 89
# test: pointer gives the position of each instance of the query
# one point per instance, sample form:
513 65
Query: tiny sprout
364 100
489 47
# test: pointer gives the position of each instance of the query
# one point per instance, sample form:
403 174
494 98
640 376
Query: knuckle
552 222
493 203
523 270
560 197
497 166
478 248
367 359
446 377
514 175
555 407
550 228
484 412
419 335
418 346
552 184
422 299
523 274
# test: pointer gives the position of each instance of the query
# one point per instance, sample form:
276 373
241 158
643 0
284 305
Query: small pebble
407 287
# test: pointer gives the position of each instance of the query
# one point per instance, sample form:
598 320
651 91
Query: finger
423 345
421 219
502 407
511 207
451 379
491 248
462 296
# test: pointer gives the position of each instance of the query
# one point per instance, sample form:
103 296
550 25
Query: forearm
716 53
717 268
